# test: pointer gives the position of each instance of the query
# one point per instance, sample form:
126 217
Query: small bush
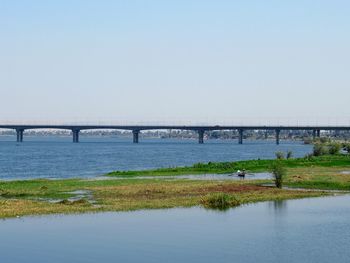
324 140
334 148
278 172
280 155
320 149
289 154
220 201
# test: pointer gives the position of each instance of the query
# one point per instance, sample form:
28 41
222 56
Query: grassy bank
47 196
36 197
318 177
231 167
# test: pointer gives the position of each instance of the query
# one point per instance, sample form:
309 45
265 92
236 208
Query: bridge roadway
136 129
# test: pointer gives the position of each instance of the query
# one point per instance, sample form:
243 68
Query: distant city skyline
179 62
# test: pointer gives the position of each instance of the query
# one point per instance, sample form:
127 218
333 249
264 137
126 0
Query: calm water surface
58 157
308 230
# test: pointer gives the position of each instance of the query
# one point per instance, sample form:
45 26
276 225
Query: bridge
136 129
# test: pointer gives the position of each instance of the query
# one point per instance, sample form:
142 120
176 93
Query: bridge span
136 129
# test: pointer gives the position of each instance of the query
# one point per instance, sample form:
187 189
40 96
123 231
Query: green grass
33 197
231 167
324 185
319 177
220 201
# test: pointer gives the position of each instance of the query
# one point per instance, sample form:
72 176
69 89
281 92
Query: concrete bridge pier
240 136
318 133
75 135
200 136
135 136
266 135
337 133
278 136
19 135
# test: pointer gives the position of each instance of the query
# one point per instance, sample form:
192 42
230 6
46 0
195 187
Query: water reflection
315 230
279 207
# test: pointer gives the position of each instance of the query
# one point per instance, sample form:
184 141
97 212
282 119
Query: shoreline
66 196
256 165
39 198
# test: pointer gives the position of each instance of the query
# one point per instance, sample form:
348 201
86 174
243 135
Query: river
58 157
307 230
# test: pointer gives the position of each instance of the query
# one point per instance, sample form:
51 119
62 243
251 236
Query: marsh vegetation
325 169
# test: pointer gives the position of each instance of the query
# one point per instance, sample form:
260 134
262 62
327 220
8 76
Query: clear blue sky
183 60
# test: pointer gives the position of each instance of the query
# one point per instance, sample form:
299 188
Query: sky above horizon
184 61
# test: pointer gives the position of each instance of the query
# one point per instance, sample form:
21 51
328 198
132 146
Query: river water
307 230
58 157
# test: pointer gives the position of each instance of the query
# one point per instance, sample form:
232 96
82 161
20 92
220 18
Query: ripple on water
58 157
293 231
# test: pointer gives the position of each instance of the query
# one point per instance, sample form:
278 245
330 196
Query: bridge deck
200 129
174 127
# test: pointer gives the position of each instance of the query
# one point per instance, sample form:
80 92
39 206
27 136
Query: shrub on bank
334 148
324 149
278 171
220 201
320 149
280 155
325 140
